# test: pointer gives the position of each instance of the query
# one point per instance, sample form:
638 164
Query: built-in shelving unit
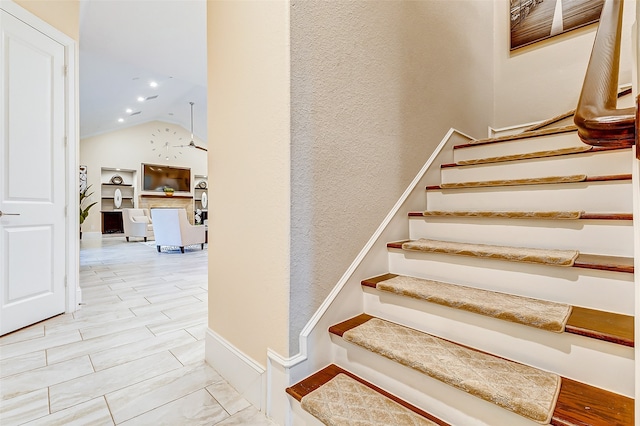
111 212
200 191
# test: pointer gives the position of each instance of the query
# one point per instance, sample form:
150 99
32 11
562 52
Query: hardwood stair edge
584 216
509 158
322 376
592 323
518 136
576 401
586 261
506 182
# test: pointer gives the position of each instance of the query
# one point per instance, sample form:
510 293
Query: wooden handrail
599 121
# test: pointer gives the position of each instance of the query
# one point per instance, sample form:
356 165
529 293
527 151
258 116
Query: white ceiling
126 44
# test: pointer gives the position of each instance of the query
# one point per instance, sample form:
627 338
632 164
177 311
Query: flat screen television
156 178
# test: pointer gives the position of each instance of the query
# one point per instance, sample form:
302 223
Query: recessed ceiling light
153 84
128 110
141 98
120 120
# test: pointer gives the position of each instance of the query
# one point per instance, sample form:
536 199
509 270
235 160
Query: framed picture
535 20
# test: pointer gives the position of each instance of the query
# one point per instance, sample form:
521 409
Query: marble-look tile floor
132 355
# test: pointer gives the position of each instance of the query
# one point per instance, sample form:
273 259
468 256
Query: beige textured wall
128 149
61 14
375 86
545 79
248 107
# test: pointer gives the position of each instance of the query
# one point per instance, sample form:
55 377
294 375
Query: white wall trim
241 371
509 130
281 372
92 235
72 155
306 331
278 407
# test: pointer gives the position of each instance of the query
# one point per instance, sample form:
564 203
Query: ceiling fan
192 144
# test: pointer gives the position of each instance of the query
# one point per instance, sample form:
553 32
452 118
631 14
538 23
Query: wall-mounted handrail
597 117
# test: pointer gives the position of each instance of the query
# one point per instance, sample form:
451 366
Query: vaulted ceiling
127 45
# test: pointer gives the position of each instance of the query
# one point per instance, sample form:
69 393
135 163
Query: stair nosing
624 265
594 149
519 136
333 370
588 179
574 324
562 410
584 216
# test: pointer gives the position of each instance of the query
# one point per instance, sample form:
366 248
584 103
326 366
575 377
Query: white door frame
74 295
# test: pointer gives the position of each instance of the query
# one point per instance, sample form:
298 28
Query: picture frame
534 20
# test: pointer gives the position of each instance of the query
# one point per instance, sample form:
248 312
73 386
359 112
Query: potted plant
168 191
84 212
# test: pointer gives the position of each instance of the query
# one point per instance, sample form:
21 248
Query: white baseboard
510 130
243 373
91 235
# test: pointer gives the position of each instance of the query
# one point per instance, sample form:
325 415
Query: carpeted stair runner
345 401
512 182
527 135
527 391
527 156
513 254
541 314
570 215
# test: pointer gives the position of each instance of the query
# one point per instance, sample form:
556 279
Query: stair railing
597 117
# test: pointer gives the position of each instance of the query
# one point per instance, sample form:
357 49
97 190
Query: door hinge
65 281
66 141
65 70
66 211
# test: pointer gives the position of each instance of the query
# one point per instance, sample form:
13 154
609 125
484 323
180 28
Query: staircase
508 301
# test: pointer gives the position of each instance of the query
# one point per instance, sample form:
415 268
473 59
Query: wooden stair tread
509 182
550 121
540 155
587 261
581 404
523 135
584 216
577 404
600 325
608 326
321 377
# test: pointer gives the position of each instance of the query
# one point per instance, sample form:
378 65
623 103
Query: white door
32 175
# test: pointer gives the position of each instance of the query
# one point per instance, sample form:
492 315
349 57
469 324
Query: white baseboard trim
279 372
510 130
243 373
91 235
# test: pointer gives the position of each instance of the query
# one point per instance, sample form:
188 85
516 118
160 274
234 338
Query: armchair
137 223
172 228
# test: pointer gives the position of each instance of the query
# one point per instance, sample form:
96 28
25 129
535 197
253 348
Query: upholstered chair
172 228
137 223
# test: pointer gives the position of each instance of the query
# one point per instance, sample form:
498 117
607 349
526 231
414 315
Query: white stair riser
599 363
606 237
594 164
603 290
593 197
518 146
439 399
